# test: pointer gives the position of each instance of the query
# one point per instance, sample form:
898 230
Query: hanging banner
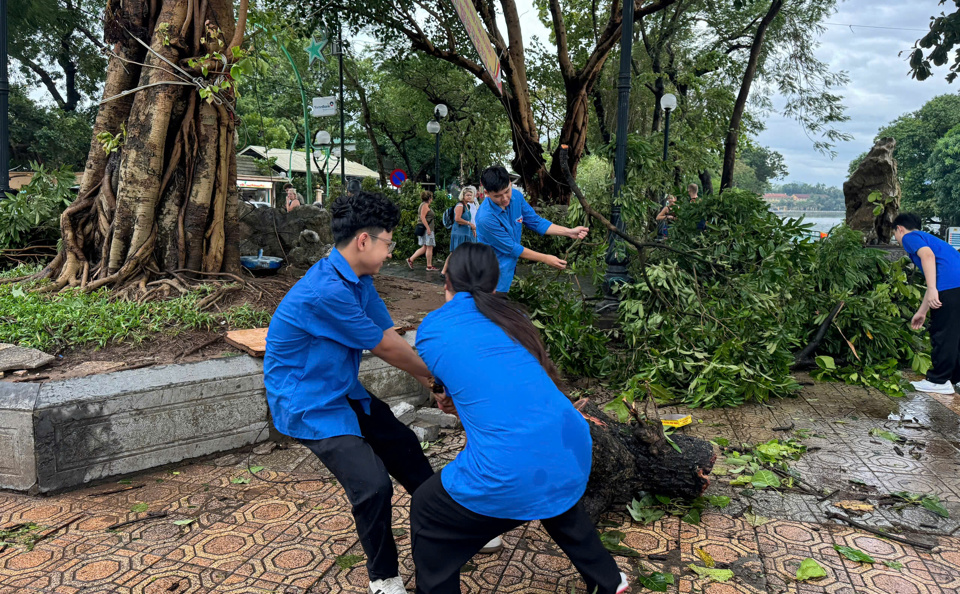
476 33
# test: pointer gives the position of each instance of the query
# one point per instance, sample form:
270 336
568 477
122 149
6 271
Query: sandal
432 268
409 264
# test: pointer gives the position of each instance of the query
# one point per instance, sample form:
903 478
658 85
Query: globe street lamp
667 103
433 127
324 143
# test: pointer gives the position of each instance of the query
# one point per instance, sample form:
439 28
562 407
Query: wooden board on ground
252 341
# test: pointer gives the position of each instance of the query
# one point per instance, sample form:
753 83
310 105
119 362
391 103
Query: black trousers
945 339
446 535
364 467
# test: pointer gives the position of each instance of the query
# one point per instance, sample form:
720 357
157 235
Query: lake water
823 220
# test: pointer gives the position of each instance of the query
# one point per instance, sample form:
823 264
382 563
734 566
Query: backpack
449 217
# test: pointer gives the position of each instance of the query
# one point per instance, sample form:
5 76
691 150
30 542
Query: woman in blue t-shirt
528 451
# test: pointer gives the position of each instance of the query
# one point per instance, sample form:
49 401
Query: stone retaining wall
62 434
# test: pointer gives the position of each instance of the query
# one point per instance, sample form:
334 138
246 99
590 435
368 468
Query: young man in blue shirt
311 366
500 222
940 264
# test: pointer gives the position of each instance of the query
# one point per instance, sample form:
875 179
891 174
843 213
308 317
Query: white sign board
324 106
953 237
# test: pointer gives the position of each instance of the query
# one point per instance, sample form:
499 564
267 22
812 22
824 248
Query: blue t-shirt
500 228
947 257
314 345
528 451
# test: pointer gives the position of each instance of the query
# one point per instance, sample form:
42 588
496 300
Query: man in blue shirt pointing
940 264
500 222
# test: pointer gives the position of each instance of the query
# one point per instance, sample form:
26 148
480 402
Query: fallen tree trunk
629 458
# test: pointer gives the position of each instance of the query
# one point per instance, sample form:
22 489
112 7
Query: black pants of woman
446 535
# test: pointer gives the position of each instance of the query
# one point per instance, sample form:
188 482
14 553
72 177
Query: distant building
801 196
775 196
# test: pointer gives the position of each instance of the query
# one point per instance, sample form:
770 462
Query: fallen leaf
183 522
888 435
139 507
853 554
852 505
705 557
755 520
894 565
255 469
809 570
714 575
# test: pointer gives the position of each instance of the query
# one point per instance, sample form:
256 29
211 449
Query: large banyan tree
158 196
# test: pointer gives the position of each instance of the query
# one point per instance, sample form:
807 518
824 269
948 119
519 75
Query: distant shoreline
821 213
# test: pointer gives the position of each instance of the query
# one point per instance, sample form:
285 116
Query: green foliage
408 199
33 213
345 562
927 501
940 42
651 508
944 167
25 536
73 318
47 135
568 326
713 574
853 554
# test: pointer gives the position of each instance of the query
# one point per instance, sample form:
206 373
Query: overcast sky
880 90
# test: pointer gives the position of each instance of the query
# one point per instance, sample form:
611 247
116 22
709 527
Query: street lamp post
433 127
616 260
668 103
4 93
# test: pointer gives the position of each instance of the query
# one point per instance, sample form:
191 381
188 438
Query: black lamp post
616 259
433 127
667 103
4 106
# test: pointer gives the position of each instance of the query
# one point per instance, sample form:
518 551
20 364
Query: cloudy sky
880 90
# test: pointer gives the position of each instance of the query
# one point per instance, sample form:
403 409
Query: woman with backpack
460 219
528 451
427 239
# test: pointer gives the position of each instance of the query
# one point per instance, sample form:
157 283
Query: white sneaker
624 584
392 585
932 388
494 546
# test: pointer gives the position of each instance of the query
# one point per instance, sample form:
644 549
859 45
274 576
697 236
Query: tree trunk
165 199
733 132
637 457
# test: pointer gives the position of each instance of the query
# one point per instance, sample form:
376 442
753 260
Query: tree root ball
628 459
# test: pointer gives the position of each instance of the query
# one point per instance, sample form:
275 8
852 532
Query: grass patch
48 321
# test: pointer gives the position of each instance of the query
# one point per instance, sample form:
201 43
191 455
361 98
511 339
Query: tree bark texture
166 198
629 458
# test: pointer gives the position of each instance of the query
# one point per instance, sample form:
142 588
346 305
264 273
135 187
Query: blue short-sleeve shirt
314 345
528 451
500 228
947 257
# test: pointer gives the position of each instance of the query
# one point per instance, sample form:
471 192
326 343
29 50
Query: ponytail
473 268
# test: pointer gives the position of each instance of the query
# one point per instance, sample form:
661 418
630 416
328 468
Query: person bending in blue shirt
940 263
528 451
312 361
500 222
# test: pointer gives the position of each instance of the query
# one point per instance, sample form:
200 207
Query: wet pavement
288 528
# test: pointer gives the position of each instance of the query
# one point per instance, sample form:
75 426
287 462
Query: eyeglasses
390 248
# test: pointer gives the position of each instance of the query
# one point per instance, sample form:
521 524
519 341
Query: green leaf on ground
809 570
255 469
139 507
348 561
692 517
825 362
714 575
765 478
888 435
125 482
643 514
932 502
894 565
719 501
240 480
398 531
721 441
656 581
853 554
184 522
611 541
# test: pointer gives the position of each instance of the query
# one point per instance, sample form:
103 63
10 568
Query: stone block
390 384
435 415
405 412
16 357
18 465
98 426
425 430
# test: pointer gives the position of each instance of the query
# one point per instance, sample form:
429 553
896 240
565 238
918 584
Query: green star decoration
315 49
